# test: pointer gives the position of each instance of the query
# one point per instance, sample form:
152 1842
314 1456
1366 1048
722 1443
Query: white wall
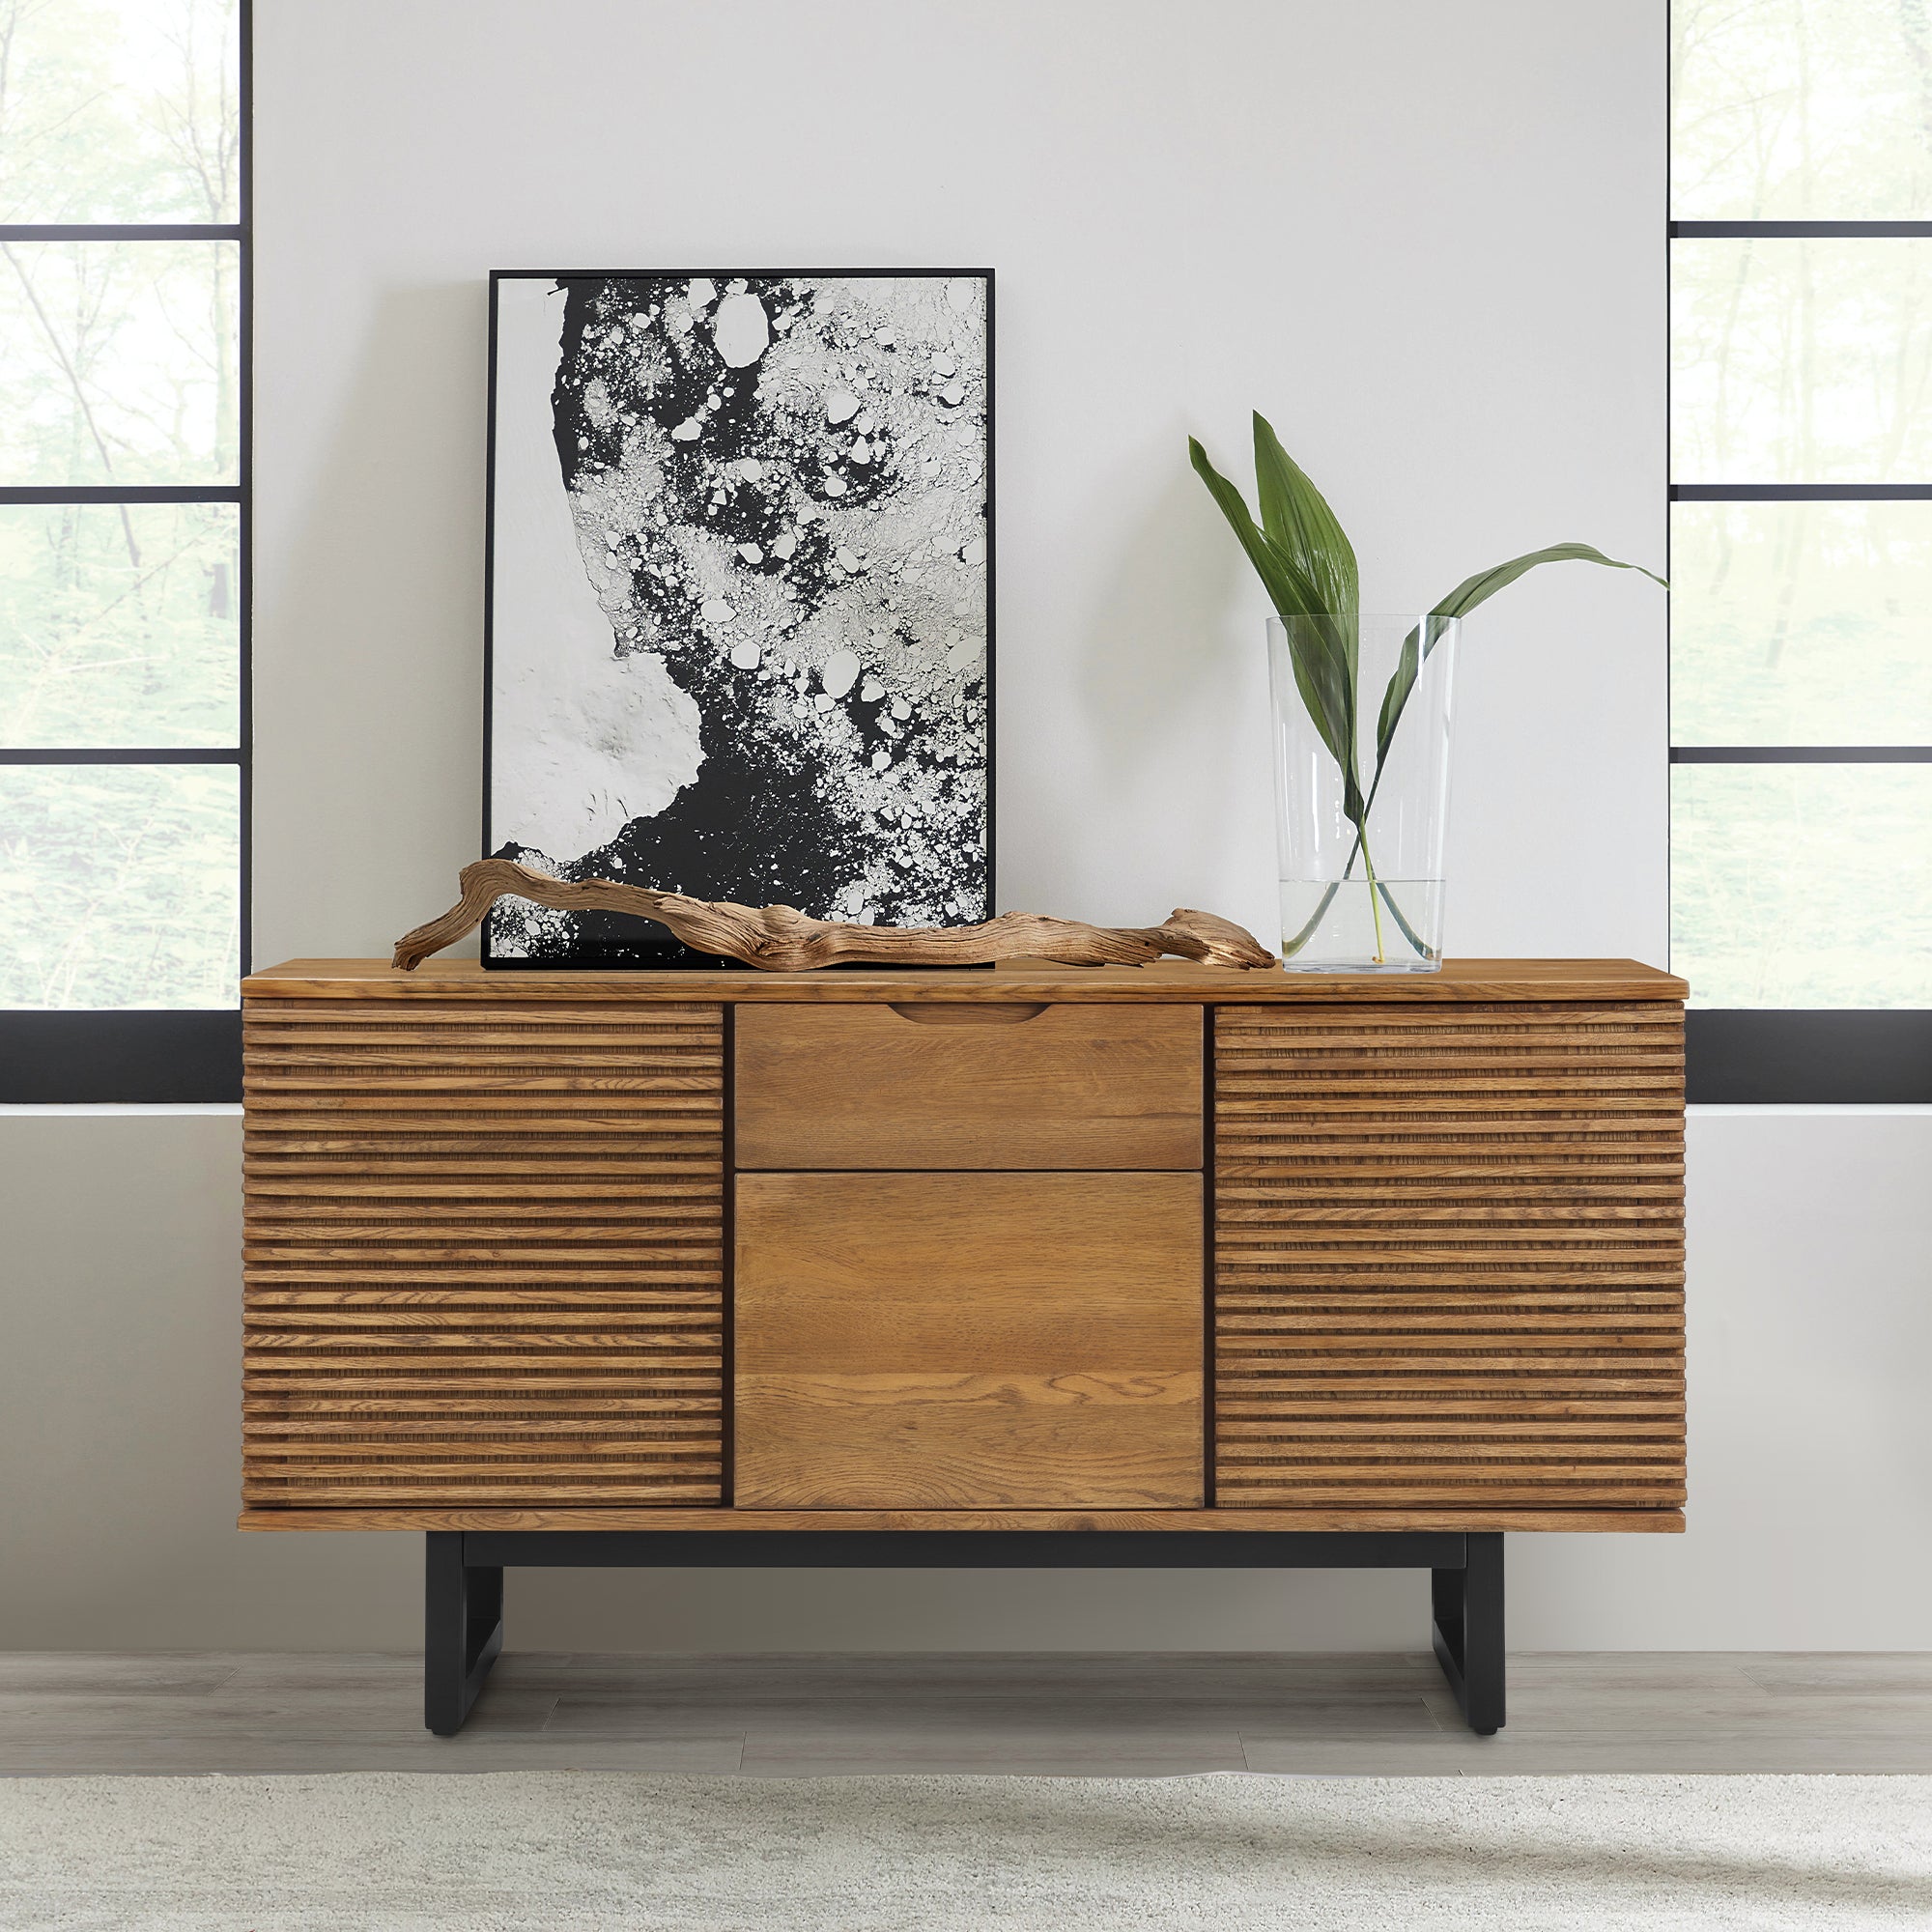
1423 239
1427 241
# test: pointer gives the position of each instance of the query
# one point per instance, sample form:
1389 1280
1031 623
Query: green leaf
1320 641
1296 515
1408 932
1315 652
1484 585
1290 947
1467 595
1407 668
1321 677
1297 519
1289 588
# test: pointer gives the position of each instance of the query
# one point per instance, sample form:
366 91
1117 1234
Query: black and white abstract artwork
739 597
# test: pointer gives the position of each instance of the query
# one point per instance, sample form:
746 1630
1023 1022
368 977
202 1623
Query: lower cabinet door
485 1248
1449 1267
969 1340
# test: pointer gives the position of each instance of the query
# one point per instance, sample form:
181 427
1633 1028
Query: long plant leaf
1460 602
1315 649
1408 932
1415 648
1290 947
1289 588
1484 585
1321 677
1296 515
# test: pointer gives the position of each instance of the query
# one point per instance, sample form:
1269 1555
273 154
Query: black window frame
1821 1057
181 1056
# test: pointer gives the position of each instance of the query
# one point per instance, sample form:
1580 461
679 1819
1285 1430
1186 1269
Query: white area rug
569 1849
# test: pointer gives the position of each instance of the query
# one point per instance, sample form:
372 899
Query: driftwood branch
782 940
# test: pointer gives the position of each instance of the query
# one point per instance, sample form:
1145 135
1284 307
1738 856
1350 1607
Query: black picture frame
659 948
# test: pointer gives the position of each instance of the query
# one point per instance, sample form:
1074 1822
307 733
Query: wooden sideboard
888 1263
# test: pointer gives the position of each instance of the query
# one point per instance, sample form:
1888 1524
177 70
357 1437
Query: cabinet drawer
958 1341
968 1085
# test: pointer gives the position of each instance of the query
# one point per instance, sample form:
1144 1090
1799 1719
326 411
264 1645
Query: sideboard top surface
1175 980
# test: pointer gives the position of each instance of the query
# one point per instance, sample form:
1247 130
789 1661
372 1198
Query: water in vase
1338 925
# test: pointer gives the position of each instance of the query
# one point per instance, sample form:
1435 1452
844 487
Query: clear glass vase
1360 840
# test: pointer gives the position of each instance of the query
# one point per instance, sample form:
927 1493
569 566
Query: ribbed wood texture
1449 1256
484 1253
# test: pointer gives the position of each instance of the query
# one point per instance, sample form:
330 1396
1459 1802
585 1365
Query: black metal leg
462 1596
1468 1606
463 1630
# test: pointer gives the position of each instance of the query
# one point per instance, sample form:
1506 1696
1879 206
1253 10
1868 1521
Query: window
1800 431
124 545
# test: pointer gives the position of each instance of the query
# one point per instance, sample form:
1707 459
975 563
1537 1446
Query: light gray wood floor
1062 1715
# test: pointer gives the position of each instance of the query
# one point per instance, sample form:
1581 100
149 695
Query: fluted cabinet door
1449 1255
485 1252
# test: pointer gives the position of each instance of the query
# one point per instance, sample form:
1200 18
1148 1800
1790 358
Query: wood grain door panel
484 1255
1449 1256
968 1085
969 1340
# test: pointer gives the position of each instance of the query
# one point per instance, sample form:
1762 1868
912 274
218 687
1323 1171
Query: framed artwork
739 633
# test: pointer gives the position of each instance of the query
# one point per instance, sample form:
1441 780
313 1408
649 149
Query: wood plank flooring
1094 1715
